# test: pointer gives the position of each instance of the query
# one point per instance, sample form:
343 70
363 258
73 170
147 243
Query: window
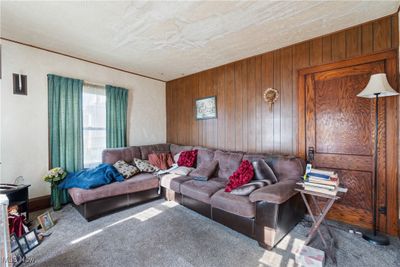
94 124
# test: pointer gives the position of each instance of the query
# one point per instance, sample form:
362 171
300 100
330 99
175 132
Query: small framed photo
17 257
32 239
206 108
23 244
14 242
46 221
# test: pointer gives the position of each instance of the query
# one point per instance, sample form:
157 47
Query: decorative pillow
126 169
248 188
241 176
187 158
161 160
176 157
182 170
262 171
144 165
204 171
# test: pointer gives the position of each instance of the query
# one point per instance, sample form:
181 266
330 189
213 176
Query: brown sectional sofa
266 215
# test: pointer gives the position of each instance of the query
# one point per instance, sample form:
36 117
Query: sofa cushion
239 205
145 166
146 150
204 154
127 154
205 171
200 190
262 171
242 176
254 157
228 162
173 181
126 169
187 158
175 149
140 182
286 167
176 184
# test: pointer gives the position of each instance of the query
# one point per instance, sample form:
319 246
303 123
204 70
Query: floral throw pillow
241 176
187 158
126 169
145 166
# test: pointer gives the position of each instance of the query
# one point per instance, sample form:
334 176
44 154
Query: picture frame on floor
23 244
14 242
17 257
32 239
45 221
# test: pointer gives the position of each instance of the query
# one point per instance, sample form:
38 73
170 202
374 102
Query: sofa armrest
276 193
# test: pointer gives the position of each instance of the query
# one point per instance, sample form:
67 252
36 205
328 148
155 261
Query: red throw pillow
161 160
187 158
241 176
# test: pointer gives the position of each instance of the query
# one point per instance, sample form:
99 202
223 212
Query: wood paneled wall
244 121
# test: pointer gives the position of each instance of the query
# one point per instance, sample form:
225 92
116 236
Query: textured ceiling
166 40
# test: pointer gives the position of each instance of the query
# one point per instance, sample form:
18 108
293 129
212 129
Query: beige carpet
163 233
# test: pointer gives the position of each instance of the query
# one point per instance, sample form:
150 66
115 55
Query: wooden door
340 127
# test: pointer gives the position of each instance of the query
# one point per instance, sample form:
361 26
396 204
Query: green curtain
65 125
116 114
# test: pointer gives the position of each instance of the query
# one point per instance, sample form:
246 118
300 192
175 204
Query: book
323 172
318 175
331 181
320 190
329 187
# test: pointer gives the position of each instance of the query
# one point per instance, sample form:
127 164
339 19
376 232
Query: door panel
339 125
337 110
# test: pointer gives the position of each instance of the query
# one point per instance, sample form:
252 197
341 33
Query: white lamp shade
377 85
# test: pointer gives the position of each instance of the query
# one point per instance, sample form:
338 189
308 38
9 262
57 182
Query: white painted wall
24 121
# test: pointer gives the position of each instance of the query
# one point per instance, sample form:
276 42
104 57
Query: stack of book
326 182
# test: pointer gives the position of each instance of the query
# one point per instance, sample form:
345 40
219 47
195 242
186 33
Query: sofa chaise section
94 203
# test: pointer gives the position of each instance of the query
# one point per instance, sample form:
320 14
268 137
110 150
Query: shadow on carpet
162 233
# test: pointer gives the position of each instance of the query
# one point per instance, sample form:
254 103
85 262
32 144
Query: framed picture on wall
206 108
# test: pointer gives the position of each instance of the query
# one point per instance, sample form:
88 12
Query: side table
320 218
18 195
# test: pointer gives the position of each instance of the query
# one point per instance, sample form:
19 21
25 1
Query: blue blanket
92 178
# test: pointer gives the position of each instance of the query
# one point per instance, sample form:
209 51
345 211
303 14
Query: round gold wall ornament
270 96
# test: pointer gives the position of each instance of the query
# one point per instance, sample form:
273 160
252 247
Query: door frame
392 121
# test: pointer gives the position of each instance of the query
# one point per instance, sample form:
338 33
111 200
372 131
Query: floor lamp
378 86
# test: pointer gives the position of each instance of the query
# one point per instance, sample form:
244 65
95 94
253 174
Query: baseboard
39 203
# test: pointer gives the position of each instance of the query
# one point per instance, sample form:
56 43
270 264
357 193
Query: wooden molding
81 59
39 203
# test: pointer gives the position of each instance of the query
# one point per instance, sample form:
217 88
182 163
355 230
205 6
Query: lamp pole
374 197
378 86
375 237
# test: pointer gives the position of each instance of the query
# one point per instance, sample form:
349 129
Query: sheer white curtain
94 124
